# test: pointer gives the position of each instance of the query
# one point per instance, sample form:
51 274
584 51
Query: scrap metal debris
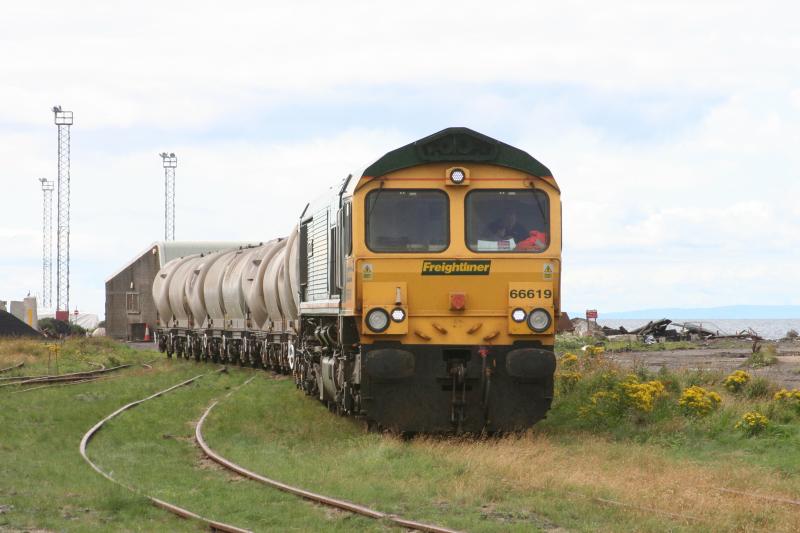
660 330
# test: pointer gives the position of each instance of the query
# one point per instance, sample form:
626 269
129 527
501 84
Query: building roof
169 250
458 145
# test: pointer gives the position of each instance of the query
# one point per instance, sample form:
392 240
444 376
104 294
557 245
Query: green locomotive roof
458 145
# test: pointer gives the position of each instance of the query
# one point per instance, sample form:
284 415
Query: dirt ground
723 356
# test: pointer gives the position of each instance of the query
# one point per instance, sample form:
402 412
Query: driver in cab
507 228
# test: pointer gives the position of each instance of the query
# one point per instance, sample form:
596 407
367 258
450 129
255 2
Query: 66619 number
530 293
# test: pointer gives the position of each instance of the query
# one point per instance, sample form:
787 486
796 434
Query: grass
43 479
45 484
565 473
76 355
551 475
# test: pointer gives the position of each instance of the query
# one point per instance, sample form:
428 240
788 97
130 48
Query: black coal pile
11 326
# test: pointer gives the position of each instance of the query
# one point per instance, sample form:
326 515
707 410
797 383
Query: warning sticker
547 271
366 270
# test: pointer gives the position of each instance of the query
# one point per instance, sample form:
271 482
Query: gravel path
785 373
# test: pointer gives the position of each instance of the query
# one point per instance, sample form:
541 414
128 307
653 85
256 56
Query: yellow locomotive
421 295
444 288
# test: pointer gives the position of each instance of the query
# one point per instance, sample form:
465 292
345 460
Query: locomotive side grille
318 249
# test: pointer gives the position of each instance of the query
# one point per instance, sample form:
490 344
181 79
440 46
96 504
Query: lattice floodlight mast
47 242
170 163
63 120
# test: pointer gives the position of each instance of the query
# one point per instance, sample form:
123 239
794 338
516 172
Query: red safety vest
536 241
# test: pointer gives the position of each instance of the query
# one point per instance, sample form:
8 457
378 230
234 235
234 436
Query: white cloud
165 63
672 128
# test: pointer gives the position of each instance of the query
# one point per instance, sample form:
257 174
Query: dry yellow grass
75 354
640 476
15 351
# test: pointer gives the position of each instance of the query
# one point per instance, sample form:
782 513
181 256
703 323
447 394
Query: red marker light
458 301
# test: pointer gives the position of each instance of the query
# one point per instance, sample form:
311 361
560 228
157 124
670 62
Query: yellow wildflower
752 423
736 381
569 359
698 401
593 350
642 396
567 380
787 395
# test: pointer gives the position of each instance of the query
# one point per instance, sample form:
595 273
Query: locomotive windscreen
407 221
507 220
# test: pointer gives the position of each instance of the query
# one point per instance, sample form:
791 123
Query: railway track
14 367
63 378
321 499
61 384
172 508
76 381
302 493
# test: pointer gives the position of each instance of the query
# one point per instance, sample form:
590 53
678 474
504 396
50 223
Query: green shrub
763 356
671 381
56 328
568 342
758 387
702 377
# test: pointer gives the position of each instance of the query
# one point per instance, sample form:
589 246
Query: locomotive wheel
197 348
229 357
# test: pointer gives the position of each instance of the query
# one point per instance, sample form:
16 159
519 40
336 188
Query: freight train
421 294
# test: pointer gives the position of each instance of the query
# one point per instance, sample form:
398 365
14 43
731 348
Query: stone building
130 309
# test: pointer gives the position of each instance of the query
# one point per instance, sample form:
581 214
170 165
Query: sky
673 128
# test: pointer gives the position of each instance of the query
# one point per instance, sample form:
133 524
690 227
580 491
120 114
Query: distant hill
730 311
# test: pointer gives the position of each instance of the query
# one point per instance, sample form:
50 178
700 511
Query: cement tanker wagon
234 306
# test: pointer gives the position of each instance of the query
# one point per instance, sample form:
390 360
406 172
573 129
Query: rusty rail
179 511
62 384
777 499
12 367
308 495
74 376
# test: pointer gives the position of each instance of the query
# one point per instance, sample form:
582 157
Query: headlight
518 315
378 320
457 176
398 315
539 320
